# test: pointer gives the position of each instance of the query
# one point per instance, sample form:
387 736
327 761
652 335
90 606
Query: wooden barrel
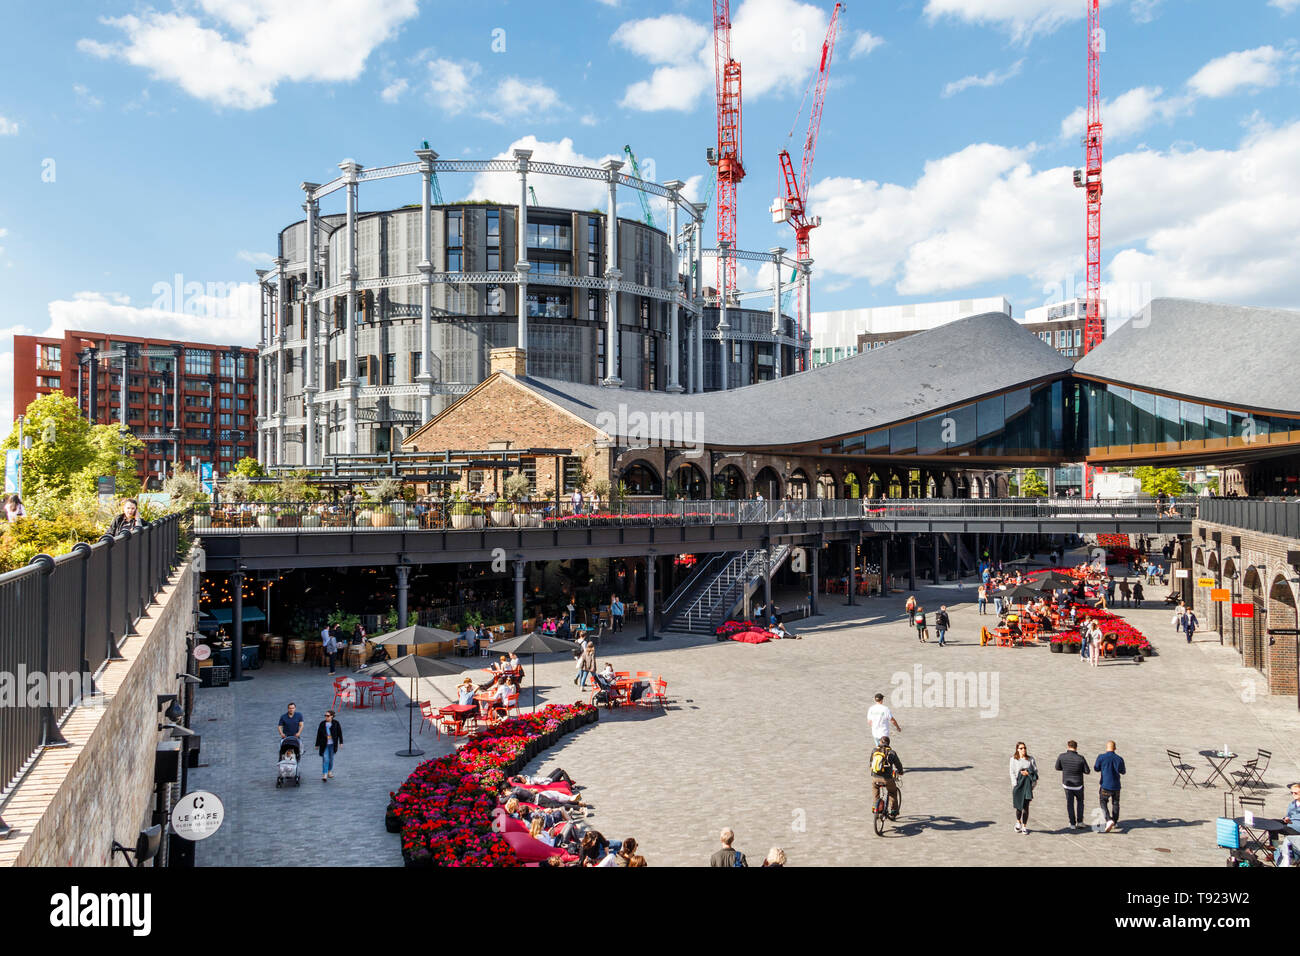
297 650
354 655
274 647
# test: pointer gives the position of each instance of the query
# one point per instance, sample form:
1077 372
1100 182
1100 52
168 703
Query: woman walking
329 738
918 618
983 599
1024 776
1095 643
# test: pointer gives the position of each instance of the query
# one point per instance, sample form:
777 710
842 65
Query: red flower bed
444 809
1128 639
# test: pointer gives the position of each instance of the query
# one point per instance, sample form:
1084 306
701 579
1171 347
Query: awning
225 615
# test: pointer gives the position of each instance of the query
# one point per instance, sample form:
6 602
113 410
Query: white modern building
835 334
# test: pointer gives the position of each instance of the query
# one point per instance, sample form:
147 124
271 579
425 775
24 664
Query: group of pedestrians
917 615
1072 767
329 735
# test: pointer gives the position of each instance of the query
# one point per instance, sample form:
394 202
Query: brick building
184 400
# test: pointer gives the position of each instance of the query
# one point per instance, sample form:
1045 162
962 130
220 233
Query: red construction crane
1089 179
792 207
727 158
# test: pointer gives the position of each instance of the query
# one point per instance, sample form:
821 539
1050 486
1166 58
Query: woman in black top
128 520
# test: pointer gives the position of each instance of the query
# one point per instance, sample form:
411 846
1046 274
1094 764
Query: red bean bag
534 851
560 786
752 637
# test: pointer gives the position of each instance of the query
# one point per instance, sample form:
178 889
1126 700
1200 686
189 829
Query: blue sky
140 142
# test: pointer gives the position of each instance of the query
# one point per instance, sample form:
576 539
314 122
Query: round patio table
1218 761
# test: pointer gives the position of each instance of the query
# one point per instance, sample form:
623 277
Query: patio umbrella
1051 581
532 645
413 636
1021 592
413 667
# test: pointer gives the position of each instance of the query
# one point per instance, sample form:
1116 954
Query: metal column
853 570
349 383
936 558
650 634
403 586
237 626
310 387
425 376
777 253
612 276
521 264
674 276
816 578
520 565
911 562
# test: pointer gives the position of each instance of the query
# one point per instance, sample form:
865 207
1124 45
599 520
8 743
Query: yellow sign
1205 582
1220 594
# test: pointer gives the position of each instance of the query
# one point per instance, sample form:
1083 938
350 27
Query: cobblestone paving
772 741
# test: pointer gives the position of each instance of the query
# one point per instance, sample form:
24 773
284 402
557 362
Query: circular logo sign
202 652
197 815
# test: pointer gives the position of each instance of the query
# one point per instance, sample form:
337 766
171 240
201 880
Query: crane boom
730 167
792 206
646 213
1089 179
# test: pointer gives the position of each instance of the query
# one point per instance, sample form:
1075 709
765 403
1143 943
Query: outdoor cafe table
364 687
1217 761
460 713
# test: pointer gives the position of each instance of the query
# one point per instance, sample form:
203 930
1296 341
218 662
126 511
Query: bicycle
879 810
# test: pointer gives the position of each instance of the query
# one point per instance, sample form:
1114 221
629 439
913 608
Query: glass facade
1129 419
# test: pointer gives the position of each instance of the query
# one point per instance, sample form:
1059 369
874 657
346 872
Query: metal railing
1281 518
61 619
447 515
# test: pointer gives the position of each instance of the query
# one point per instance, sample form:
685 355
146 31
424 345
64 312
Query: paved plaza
772 741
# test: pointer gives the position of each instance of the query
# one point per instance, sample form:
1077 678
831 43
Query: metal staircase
712 594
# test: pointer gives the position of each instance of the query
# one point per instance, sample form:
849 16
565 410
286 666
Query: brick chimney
511 360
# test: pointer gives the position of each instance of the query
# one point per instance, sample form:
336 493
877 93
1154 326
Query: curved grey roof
938 368
1223 354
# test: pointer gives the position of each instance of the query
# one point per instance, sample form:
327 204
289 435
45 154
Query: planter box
383 519
502 519
464 522
311 521
289 521
1057 647
202 521
266 521
528 521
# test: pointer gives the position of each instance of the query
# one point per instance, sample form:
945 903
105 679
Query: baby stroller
288 768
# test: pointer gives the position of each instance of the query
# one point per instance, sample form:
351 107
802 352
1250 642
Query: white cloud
262 259
588 119
85 97
551 190
1022 18
991 78
865 42
394 90
777 42
1241 70
241 50
1216 224
516 97
662 39
450 83
1129 113
8 127
1286 6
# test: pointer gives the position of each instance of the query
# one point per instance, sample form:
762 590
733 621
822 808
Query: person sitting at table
608 671
499 666
499 697
538 831
563 630
513 666
465 692
471 640
1013 624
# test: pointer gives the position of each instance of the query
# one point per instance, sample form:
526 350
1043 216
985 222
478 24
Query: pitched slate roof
937 368
1224 354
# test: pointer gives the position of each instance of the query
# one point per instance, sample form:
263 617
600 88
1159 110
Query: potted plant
386 491
503 514
517 490
462 515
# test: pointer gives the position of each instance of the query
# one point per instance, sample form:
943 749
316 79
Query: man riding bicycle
886 768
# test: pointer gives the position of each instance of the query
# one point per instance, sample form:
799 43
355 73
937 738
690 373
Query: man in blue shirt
291 722
1292 821
1111 767
616 614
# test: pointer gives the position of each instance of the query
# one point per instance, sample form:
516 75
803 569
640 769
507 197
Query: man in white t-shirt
880 717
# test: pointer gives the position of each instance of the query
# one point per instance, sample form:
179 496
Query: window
1078 338
48 381
496 300
545 235
494 227
550 305
572 472
455 241
242 404
417 361
390 368
50 357
494 260
593 247
543 267
593 307
198 362
225 419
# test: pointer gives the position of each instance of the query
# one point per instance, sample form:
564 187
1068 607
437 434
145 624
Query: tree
112 456
1156 480
61 446
1034 486
249 468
